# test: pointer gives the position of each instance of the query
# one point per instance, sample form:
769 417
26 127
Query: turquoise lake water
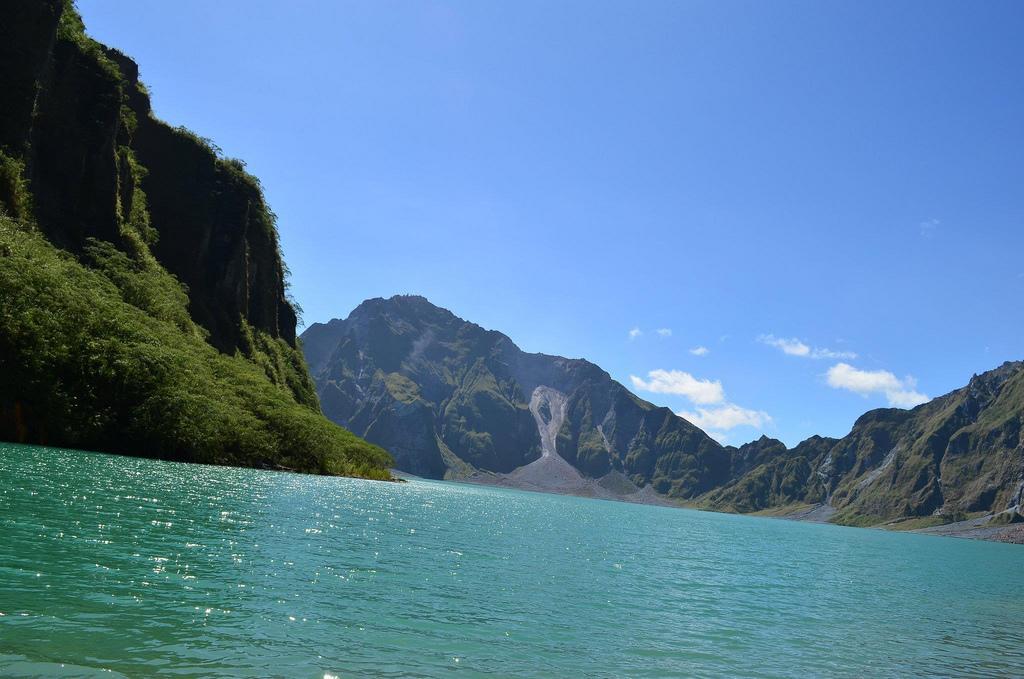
121 566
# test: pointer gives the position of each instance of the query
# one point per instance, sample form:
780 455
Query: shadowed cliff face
224 245
76 117
449 398
142 293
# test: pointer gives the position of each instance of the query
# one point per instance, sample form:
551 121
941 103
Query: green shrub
15 198
106 358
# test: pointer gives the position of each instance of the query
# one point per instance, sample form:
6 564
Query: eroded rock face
73 113
104 213
222 242
449 398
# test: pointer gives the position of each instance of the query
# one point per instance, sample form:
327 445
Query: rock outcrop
101 166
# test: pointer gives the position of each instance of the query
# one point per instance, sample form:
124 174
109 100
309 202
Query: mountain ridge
497 368
393 368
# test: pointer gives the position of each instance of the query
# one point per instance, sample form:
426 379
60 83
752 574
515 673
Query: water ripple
132 567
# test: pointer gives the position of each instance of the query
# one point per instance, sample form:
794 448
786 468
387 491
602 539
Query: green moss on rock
143 303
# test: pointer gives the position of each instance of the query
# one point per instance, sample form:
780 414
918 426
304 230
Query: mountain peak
448 397
409 307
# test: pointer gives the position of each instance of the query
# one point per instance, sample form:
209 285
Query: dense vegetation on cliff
142 292
449 398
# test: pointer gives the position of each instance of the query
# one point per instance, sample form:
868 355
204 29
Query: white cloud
795 347
928 227
900 393
829 353
719 436
726 417
864 382
906 398
681 383
713 413
664 332
634 333
700 351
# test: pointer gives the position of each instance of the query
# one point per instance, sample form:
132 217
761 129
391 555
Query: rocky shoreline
620 489
977 528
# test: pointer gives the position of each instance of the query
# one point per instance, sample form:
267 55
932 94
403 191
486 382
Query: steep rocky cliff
99 165
448 398
451 399
958 456
143 306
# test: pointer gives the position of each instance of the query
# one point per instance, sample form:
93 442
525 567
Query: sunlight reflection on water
143 567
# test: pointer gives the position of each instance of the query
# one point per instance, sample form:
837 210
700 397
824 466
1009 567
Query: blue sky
827 197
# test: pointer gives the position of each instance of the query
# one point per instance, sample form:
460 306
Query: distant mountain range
451 400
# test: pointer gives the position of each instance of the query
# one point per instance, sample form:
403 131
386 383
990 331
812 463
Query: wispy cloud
664 332
726 417
928 227
714 414
900 393
700 351
634 333
819 352
794 347
719 436
681 384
